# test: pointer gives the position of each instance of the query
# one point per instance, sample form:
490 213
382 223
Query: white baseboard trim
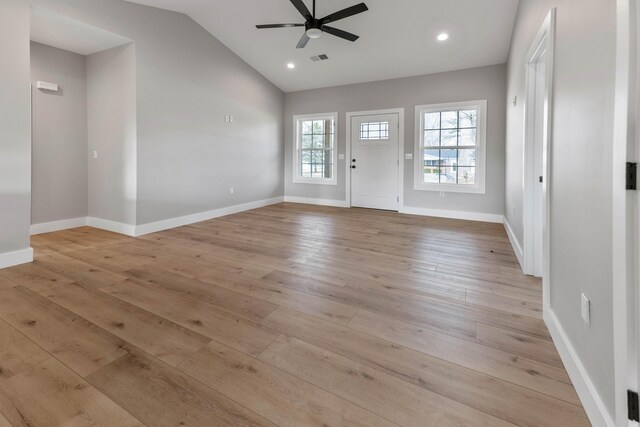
319 202
591 401
442 213
166 224
22 256
140 230
116 227
65 224
517 248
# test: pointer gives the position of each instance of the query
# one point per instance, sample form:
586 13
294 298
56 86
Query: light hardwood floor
288 315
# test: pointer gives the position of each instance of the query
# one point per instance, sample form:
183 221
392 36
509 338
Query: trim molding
153 227
22 256
544 41
319 202
116 227
350 116
626 337
166 224
480 186
517 248
442 213
591 400
65 224
296 143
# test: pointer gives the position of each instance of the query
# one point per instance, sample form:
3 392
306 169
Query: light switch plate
586 309
408 156
340 156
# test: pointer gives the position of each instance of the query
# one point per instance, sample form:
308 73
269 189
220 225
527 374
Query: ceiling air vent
317 58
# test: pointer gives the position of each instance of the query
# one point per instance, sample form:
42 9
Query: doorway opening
537 154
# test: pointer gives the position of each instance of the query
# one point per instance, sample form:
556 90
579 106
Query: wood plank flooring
288 315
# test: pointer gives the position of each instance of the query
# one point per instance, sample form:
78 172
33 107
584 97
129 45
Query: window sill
317 181
455 188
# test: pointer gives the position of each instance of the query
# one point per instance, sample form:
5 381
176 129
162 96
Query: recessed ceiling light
442 37
291 65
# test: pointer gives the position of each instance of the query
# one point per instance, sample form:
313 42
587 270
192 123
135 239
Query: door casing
543 41
626 209
535 163
401 143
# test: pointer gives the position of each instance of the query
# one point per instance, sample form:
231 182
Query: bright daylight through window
315 156
374 131
450 147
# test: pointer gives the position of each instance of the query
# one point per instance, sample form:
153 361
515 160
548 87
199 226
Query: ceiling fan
315 27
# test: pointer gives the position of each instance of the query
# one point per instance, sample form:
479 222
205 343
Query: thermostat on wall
47 86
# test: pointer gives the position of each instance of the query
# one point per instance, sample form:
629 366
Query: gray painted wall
15 127
111 122
187 81
478 83
59 187
581 171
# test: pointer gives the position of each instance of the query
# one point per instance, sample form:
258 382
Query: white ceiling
64 33
397 37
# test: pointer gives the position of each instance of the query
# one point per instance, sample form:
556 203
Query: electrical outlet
232 191
586 309
231 119
95 154
408 156
442 194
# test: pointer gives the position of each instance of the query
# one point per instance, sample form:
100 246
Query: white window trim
296 150
481 157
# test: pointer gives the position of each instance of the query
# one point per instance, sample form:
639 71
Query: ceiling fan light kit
314 28
314 33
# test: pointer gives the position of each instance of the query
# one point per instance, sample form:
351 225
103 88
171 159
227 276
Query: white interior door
374 161
538 204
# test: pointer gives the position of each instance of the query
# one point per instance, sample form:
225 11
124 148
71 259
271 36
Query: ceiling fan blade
261 27
303 41
344 13
302 8
339 33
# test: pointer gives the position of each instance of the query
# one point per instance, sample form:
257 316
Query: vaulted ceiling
65 33
397 37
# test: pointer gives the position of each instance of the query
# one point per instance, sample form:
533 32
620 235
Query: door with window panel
374 161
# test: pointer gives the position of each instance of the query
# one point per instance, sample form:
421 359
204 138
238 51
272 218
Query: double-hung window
451 147
315 151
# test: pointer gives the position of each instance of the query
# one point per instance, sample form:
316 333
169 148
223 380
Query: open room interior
299 212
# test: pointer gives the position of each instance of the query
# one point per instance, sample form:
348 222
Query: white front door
374 161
